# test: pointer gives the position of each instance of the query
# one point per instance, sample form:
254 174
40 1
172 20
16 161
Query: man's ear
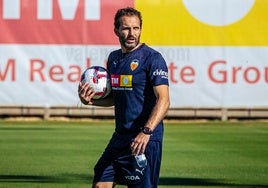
116 32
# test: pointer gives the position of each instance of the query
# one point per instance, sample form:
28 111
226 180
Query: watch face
147 130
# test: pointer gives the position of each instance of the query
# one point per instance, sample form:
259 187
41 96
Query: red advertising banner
59 22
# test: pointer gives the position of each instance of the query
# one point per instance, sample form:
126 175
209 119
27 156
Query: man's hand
139 144
85 93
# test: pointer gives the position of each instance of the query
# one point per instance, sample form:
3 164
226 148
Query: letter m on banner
9 69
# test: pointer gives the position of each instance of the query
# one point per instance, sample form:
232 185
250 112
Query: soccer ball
98 78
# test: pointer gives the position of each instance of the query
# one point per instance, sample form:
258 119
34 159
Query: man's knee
103 185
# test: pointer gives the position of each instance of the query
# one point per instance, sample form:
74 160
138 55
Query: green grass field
51 154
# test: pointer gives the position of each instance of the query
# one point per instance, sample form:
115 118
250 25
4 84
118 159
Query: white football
98 78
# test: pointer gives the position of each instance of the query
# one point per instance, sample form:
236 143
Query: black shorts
117 164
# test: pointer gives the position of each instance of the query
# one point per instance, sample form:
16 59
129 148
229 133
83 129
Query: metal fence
76 112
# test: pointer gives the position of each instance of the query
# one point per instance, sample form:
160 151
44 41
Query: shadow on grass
203 182
79 178
64 178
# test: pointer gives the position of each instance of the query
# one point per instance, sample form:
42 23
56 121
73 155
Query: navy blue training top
133 76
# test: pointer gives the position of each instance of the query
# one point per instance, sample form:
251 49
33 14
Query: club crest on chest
134 64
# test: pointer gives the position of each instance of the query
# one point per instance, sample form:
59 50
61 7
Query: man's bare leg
103 185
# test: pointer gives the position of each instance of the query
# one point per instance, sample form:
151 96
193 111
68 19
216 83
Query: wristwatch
146 130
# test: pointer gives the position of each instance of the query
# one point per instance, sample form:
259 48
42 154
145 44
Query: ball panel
98 78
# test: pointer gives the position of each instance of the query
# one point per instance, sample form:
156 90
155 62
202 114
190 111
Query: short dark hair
129 11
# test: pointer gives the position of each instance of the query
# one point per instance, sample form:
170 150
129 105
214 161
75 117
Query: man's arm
158 113
86 93
161 107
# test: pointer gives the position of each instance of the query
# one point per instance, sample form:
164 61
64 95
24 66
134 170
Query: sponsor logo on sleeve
161 73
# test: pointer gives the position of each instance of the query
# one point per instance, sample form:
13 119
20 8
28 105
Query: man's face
129 33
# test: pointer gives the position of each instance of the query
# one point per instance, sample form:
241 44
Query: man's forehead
125 20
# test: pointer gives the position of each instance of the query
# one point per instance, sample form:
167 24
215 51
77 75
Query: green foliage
62 154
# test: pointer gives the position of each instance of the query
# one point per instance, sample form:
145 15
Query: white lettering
68 9
122 88
11 9
115 81
93 9
44 9
132 177
161 73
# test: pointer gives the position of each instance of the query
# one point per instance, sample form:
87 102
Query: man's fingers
86 92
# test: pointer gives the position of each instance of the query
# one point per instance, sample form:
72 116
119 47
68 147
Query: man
139 79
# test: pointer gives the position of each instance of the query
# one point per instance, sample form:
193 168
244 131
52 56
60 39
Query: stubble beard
129 46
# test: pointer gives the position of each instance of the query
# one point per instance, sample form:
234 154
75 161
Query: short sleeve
158 70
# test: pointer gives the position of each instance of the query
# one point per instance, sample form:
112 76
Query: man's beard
129 46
